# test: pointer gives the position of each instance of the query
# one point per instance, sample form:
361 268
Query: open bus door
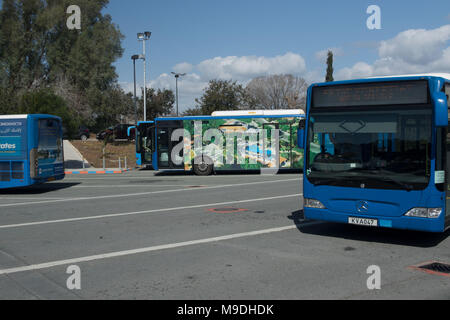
144 138
165 145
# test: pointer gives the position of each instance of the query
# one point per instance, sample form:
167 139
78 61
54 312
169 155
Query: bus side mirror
440 109
129 130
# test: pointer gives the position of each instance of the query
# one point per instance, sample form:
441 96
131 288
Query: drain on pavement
226 210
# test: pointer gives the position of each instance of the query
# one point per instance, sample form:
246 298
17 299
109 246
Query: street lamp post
134 58
143 36
177 75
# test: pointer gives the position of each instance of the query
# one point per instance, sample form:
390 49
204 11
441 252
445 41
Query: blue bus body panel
14 153
138 159
387 206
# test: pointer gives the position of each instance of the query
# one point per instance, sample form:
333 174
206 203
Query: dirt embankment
92 151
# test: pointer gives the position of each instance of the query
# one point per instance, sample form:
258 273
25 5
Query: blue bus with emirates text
376 152
31 150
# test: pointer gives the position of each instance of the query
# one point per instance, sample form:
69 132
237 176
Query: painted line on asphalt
167 178
114 215
29 198
135 185
141 193
142 250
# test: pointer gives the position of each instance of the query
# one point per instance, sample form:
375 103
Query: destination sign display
371 94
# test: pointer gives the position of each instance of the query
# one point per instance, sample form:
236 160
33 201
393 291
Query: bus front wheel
203 166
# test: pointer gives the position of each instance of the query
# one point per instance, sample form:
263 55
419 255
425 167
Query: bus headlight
432 213
313 203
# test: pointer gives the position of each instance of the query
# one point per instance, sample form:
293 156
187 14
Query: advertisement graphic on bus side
12 138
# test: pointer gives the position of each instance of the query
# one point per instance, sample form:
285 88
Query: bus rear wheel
203 167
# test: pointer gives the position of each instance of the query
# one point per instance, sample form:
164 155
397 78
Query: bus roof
445 76
25 116
257 112
14 116
435 75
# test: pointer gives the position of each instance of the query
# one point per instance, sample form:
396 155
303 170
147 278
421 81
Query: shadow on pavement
39 188
359 233
218 173
75 164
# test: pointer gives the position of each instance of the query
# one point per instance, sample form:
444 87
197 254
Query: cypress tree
329 77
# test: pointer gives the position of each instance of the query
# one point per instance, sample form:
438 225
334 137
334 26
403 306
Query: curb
97 172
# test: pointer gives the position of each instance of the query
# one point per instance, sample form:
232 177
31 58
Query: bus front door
165 146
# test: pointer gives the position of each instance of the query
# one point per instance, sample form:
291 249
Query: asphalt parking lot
141 235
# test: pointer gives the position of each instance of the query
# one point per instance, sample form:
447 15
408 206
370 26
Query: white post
145 82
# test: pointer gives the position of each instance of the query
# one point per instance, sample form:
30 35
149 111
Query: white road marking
137 185
141 193
142 250
29 198
176 178
113 215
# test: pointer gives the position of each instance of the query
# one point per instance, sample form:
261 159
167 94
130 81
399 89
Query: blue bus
227 140
376 152
31 150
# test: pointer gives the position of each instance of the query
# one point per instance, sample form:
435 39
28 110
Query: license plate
363 222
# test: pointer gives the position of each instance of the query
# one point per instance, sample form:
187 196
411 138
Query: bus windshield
50 141
383 149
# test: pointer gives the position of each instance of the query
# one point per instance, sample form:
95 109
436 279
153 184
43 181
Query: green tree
222 95
114 105
194 111
37 50
159 103
45 101
329 76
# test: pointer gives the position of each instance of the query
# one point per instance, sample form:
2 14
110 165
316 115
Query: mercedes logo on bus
362 206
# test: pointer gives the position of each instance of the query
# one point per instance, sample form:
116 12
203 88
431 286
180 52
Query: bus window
50 142
163 147
447 92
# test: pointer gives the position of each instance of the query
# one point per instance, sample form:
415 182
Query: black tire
84 137
203 166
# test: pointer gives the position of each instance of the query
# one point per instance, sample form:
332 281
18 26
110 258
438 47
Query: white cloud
411 51
183 67
417 46
247 67
242 69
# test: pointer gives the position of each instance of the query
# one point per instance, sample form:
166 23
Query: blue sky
243 39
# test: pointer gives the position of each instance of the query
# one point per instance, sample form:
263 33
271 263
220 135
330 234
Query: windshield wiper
323 182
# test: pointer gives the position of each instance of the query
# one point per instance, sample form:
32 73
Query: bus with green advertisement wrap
377 152
31 150
227 140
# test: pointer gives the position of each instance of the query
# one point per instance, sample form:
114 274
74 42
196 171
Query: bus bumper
403 222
